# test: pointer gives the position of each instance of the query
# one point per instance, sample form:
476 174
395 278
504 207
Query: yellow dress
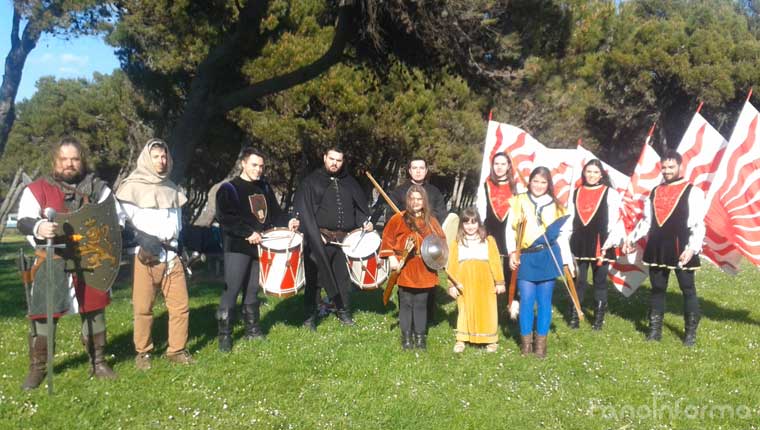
477 267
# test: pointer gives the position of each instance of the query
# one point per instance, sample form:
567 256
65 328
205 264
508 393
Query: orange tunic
414 274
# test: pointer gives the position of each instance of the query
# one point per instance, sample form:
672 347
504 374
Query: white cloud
46 58
69 71
74 60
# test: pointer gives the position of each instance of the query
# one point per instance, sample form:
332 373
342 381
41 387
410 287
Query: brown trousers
147 281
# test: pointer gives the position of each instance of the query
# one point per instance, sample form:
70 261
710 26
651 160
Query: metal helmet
434 252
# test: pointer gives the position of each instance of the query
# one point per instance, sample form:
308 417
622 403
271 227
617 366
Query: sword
49 248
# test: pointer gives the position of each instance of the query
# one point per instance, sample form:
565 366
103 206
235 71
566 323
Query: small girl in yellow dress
475 264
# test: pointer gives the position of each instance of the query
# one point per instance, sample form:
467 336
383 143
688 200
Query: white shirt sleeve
165 224
696 221
509 232
642 228
29 207
615 225
563 240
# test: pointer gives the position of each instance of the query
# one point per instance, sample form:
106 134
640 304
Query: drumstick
361 235
338 244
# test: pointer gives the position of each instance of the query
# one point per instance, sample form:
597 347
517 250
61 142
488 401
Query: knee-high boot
95 345
37 362
224 323
601 309
655 326
691 321
251 318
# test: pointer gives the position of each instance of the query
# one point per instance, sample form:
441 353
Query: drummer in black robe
674 223
331 204
245 207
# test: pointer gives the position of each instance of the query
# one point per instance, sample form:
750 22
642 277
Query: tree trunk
203 105
20 181
462 179
14 66
453 199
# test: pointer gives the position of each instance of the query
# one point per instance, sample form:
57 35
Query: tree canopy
391 79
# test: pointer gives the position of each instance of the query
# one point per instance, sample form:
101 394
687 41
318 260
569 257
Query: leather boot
251 321
574 319
601 309
344 315
37 362
420 340
655 326
406 340
539 347
526 345
691 321
311 321
224 323
95 345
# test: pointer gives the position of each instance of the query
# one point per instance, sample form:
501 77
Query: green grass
358 377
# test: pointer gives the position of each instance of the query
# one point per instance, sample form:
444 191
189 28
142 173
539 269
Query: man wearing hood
331 204
152 203
67 190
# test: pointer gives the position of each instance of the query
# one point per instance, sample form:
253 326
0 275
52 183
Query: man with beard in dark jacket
331 204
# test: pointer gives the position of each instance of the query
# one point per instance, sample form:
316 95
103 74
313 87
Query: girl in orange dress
475 262
416 280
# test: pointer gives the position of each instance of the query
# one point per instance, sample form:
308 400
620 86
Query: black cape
306 202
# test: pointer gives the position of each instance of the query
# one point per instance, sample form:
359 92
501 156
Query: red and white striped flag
734 197
628 272
561 163
526 154
702 148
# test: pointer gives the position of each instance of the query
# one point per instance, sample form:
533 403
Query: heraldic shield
93 243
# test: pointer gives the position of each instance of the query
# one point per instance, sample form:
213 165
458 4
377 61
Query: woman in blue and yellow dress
544 248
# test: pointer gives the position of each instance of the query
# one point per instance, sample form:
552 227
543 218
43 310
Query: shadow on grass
291 311
636 308
202 330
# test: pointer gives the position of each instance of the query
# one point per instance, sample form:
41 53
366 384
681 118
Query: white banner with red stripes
628 272
702 148
734 197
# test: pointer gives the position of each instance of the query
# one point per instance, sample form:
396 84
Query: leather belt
538 248
333 235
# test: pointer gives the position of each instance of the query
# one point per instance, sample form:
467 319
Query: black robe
307 202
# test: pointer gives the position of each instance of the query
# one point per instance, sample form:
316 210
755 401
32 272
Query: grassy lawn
358 377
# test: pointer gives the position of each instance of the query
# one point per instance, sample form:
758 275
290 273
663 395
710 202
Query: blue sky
74 58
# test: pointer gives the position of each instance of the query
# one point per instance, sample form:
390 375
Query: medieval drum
281 271
366 269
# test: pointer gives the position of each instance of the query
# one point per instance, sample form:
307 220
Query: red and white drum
281 270
366 269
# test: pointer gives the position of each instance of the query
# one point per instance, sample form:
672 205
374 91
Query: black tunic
497 226
669 235
236 202
587 239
